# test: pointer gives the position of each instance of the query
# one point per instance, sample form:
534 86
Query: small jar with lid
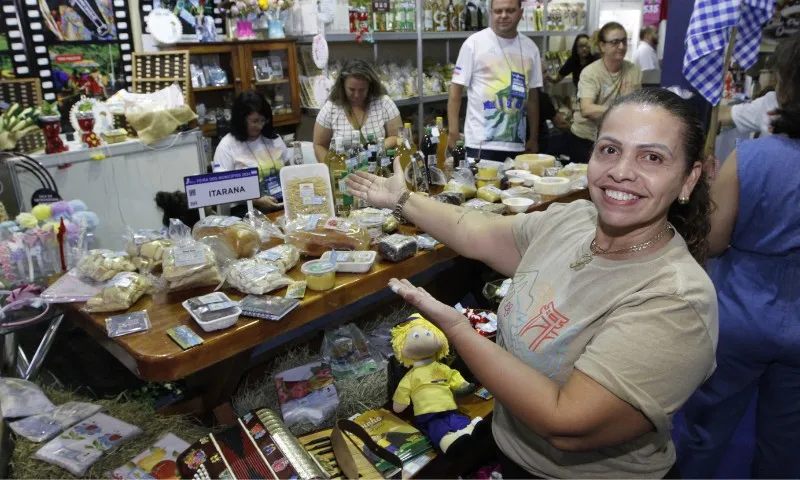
320 275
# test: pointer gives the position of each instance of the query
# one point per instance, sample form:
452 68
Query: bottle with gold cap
441 148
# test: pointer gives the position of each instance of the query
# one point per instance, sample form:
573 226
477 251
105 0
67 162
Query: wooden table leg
217 383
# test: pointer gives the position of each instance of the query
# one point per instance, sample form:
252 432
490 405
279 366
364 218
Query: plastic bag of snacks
121 292
348 352
463 181
21 398
314 235
44 426
284 257
255 277
100 265
240 236
85 443
146 248
397 247
188 263
490 193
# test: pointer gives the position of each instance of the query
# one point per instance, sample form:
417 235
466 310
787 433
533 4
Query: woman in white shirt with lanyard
253 143
358 105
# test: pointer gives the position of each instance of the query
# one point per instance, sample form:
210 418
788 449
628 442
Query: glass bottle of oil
404 153
385 163
441 148
436 177
338 164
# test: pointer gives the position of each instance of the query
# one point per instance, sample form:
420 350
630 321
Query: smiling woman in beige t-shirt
601 83
611 322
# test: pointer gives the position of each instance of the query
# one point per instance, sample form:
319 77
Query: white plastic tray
217 324
360 266
305 171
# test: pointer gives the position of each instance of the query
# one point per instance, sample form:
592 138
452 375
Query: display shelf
213 89
401 102
412 36
271 82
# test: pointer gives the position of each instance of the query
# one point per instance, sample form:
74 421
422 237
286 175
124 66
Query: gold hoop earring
683 200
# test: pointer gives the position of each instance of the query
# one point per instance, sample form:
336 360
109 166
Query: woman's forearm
530 396
469 232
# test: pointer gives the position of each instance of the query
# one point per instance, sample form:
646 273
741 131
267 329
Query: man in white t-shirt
646 57
501 71
751 117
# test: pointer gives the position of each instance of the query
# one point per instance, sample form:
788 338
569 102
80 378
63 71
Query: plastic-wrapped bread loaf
120 293
240 236
187 266
255 277
314 235
397 247
188 263
100 265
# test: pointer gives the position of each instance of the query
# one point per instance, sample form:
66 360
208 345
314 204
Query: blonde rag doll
431 385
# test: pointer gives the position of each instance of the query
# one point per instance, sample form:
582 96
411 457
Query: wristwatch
397 213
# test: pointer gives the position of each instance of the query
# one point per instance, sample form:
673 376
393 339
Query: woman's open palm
378 191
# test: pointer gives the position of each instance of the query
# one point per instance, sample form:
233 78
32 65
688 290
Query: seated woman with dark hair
253 143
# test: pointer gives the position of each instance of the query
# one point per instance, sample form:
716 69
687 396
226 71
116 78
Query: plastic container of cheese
352 262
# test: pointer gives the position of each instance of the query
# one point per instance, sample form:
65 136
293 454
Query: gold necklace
586 258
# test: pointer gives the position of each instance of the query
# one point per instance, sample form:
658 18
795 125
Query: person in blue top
756 231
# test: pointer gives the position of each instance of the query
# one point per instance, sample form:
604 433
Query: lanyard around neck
266 149
521 58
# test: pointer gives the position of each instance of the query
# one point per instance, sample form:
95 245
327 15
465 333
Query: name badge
518 89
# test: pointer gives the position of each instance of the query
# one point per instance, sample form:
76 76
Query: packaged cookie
188 263
146 248
284 257
120 293
254 277
100 265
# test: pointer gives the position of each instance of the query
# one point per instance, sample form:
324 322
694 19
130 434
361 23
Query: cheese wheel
535 162
551 186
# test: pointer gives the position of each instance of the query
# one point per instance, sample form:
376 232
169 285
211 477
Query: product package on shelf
307 190
259 445
21 398
307 393
252 276
266 229
45 426
146 248
284 257
241 237
158 461
100 265
214 311
397 247
314 235
121 292
347 350
267 307
189 263
79 447
397 436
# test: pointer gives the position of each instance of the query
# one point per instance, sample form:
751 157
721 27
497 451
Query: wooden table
222 359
